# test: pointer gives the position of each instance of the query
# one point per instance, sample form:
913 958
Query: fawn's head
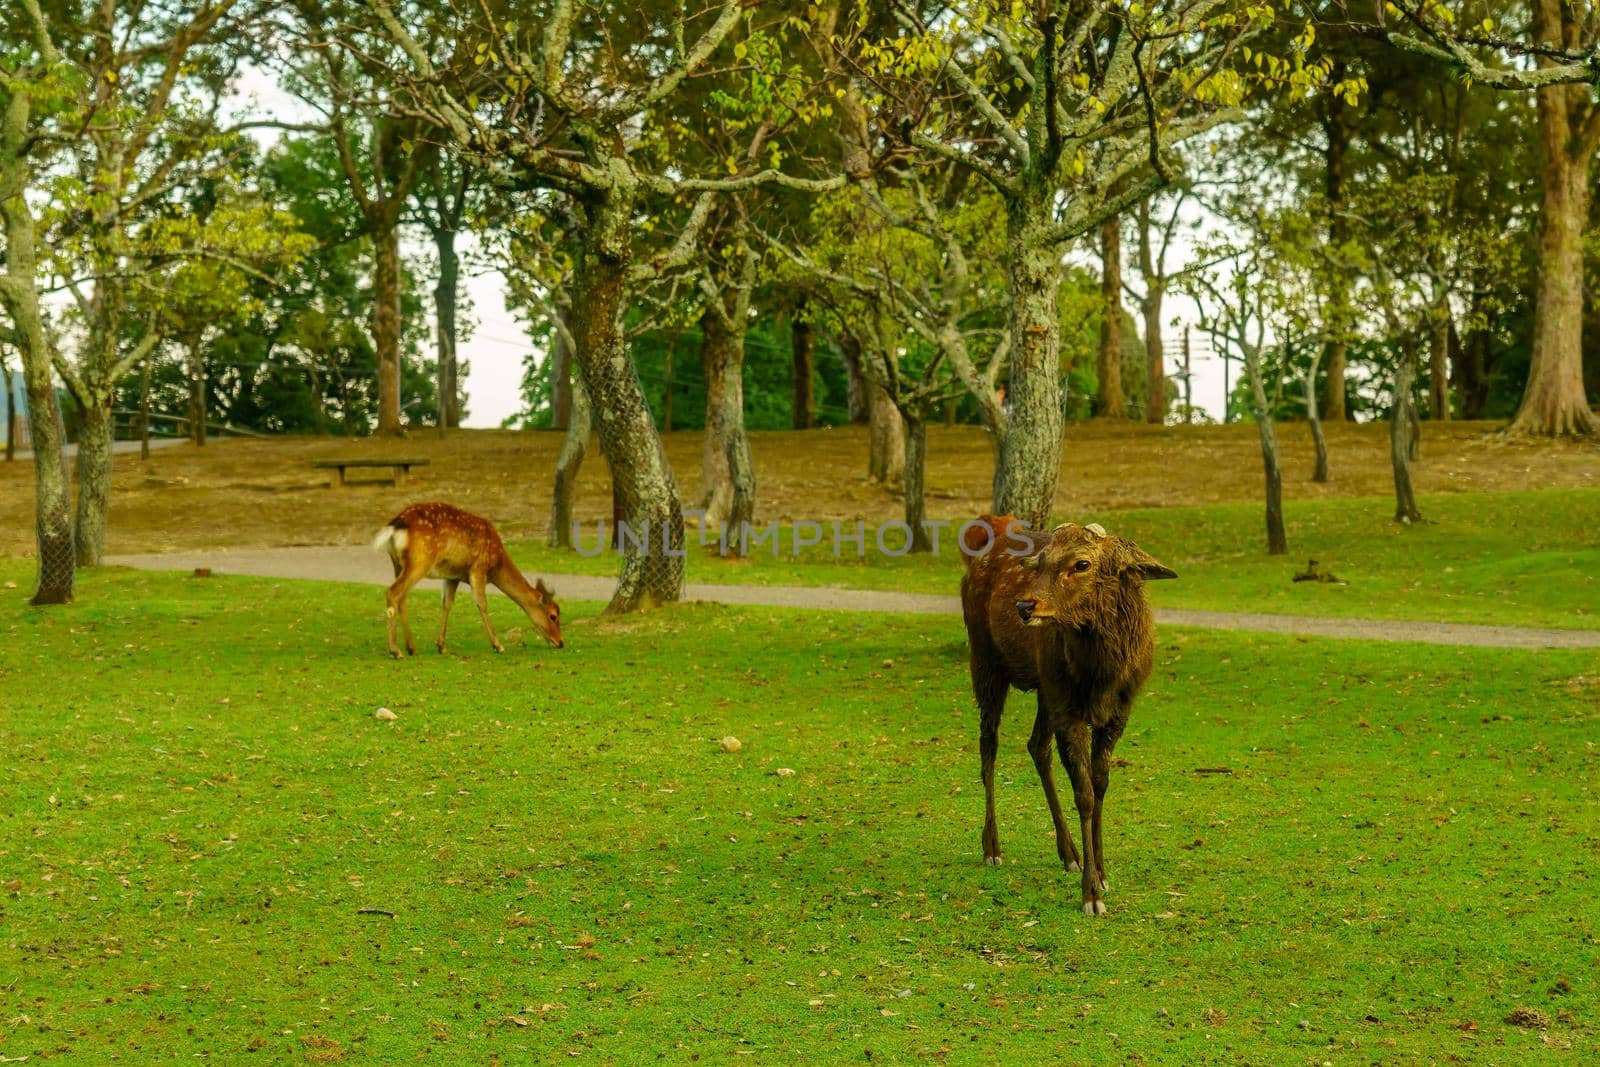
1078 571
546 613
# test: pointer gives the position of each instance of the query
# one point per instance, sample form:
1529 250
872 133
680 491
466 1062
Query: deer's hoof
394 653
1094 907
499 648
992 861
1073 866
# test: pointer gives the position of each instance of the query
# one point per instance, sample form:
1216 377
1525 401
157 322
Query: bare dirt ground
251 493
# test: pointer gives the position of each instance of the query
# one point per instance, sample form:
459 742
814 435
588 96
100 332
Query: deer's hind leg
395 600
480 593
990 686
449 600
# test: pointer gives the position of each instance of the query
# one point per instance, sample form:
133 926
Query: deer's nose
1025 609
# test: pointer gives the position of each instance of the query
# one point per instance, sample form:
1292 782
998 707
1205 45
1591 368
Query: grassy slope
198 801
1525 559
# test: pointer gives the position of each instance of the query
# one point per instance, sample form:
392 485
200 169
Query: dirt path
359 564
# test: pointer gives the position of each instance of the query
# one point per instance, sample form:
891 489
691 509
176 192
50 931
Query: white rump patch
390 540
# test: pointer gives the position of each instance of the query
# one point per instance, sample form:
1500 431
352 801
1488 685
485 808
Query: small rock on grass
785 772
385 715
731 744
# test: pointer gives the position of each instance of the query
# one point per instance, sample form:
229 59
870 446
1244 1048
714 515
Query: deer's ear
544 590
1138 562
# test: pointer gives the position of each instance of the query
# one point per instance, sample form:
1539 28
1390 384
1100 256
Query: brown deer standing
442 541
1064 614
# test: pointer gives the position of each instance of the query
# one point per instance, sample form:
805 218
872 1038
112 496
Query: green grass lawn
1524 559
198 804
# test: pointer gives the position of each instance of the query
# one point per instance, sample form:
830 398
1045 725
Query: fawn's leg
990 688
395 609
1105 740
480 594
450 586
1039 747
1074 742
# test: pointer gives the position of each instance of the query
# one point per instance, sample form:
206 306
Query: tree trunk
1402 424
886 442
722 359
1155 404
444 303
1439 367
386 325
1333 406
1553 401
1277 541
1472 374
11 415
855 382
568 464
196 369
1110 403
804 352
652 572
1336 312
1319 472
319 411
916 446
1030 455
52 490
561 382
94 476
742 472
144 412
666 392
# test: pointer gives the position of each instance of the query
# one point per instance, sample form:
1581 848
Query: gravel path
360 564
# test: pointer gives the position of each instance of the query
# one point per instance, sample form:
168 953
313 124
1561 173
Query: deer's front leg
449 600
480 593
1039 747
1075 744
1105 741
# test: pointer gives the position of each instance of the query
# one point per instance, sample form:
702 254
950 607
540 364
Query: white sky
498 346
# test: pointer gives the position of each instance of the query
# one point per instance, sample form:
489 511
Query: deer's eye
1080 566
